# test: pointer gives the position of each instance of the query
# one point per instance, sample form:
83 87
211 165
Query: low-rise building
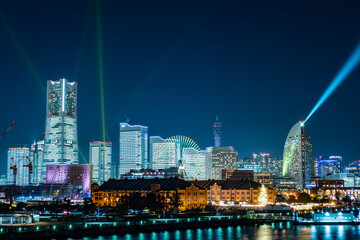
263 179
235 191
190 196
237 174
77 175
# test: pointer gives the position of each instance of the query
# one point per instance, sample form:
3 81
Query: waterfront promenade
62 230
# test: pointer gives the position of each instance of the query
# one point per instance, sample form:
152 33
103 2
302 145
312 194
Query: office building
353 168
329 165
262 160
298 159
61 142
36 159
77 175
275 168
18 165
100 158
222 158
133 150
248 164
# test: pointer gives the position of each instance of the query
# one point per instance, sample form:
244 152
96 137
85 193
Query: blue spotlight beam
339 78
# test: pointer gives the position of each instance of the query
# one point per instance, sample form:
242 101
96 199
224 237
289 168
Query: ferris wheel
181 152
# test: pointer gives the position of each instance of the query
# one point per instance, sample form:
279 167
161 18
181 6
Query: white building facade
100 158
133 150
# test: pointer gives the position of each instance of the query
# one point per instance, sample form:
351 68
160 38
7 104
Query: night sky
174 65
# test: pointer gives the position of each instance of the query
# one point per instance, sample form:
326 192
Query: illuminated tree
263 196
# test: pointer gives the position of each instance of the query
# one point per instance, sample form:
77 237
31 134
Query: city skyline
185 85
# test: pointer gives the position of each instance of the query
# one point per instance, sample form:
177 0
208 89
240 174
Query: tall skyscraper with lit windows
298 159
18 165
133 150
61 143
100 158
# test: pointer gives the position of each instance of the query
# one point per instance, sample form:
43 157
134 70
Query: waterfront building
264 179
100 158
222 158
190 196
298 159
164 153
237 174
36 159
61 142
133 150
217 132
18 165
78 175
233 191
327 165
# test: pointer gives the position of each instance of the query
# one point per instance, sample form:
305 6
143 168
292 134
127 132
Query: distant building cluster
216 171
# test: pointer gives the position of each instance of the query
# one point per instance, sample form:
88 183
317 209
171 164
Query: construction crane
30 166
7 130
14 168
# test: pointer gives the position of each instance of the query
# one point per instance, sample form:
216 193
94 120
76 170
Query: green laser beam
101 70
22 52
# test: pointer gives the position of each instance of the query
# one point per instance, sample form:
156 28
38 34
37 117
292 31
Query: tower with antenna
217 132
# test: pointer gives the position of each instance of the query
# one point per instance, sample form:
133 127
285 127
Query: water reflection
262 232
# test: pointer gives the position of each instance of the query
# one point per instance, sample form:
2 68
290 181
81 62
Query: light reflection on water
262 232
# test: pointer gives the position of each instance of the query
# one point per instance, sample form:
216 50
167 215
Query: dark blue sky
174 65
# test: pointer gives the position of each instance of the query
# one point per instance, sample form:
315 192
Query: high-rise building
61 142
133 148
275 168
36 160
100 158
18 165
217 132
298 159
327 165
263 160
164 154
222 158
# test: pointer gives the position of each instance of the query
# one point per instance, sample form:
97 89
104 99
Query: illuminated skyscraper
223 158
217 132
36 159
298 159
133 149
100 158
18 165
61 143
